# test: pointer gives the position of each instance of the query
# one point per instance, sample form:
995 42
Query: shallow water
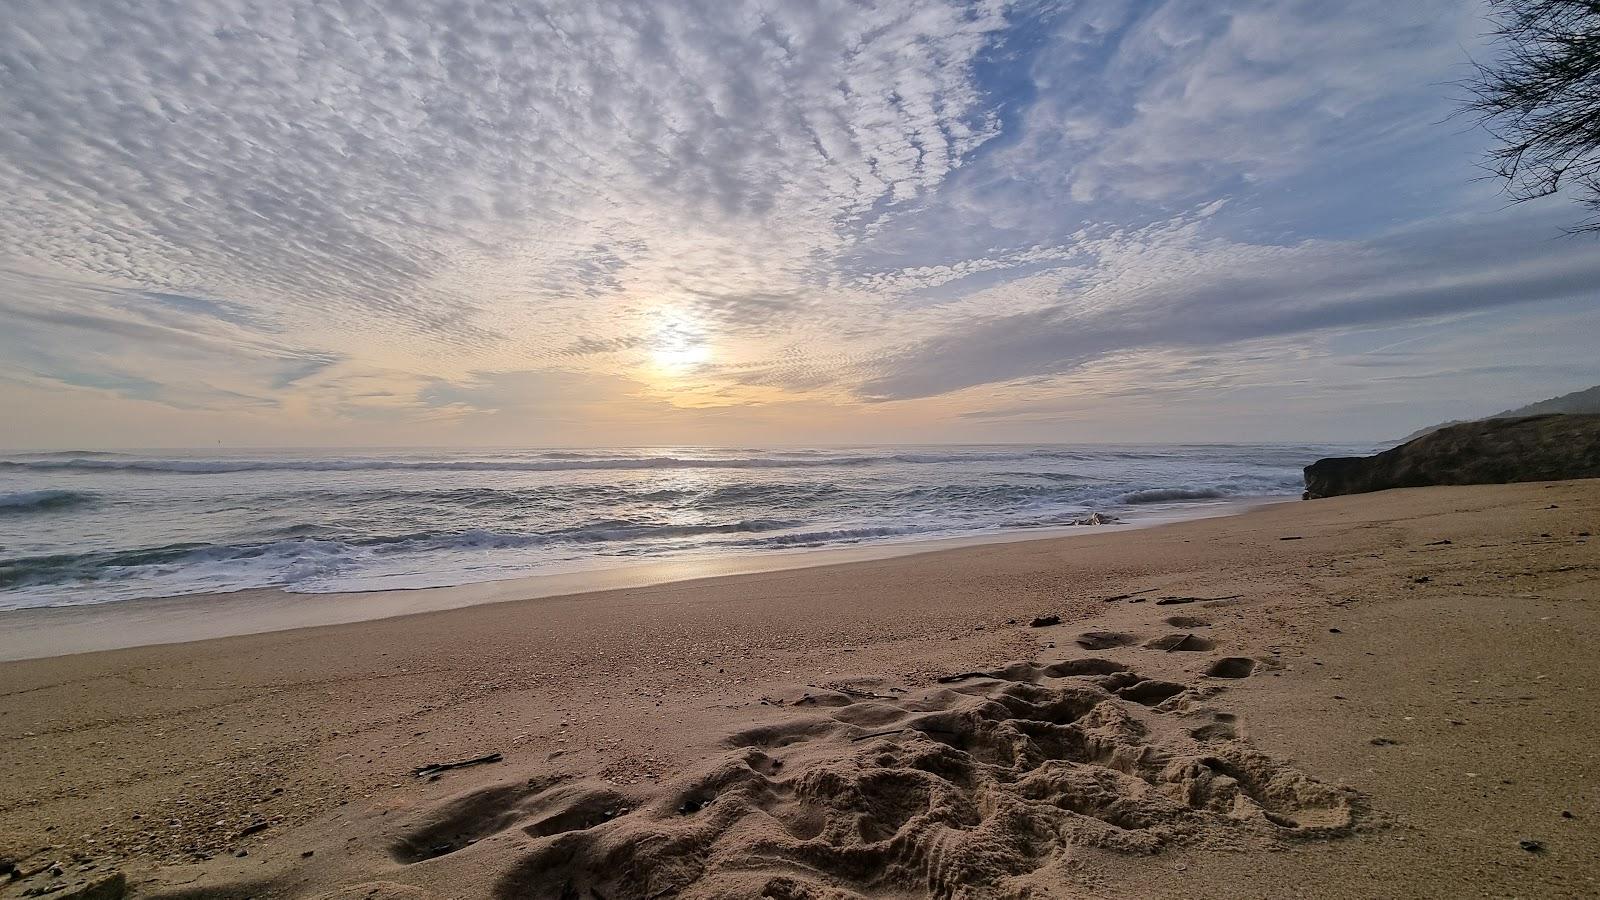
80 527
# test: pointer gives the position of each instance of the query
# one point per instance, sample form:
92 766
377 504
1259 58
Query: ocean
80 527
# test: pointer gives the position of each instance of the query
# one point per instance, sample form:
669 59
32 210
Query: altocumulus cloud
225 203
409 164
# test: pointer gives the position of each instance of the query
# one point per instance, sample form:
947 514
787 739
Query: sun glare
679 357
679 343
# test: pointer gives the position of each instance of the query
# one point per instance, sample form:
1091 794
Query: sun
679 356
679 344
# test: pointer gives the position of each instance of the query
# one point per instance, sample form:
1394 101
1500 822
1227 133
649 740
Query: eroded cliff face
1491 451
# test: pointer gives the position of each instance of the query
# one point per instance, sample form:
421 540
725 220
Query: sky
592 223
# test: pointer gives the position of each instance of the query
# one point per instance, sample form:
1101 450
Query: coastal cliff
1492 451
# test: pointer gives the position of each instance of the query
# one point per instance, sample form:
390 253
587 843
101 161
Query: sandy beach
1389 695
889 450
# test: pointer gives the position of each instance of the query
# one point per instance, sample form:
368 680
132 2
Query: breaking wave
1168 495
17 502
83 526
300 557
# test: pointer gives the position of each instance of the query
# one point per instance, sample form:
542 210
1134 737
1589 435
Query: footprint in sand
1151 691
783 734
1221 726
1086 666
1180 642
463 820
1231 667
577 809
1104 640
950 792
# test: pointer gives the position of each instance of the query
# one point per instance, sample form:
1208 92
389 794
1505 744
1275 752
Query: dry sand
1400 689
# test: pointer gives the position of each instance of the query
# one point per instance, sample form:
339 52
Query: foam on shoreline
54 631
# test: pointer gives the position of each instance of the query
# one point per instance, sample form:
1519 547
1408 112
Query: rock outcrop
1492 451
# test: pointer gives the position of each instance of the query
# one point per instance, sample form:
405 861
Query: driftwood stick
1167 601
436 768
856 692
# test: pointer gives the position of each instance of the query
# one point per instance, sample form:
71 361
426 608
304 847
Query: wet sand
1382 695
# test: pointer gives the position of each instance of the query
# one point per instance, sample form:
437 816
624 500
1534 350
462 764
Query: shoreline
41 632
1376 695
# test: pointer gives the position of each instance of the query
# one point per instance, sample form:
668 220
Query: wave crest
294 558
1168 495
46 500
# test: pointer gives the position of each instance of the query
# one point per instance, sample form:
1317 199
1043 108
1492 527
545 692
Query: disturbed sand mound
980 788
1493 451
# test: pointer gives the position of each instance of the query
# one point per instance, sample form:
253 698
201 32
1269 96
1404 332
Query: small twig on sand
855 692
1126 596
963 676
1178 644
436 768
1168 601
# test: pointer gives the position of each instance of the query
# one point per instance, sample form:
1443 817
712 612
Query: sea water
81 527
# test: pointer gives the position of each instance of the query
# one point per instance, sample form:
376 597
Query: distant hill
1584 402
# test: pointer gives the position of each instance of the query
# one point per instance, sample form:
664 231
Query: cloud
182 351
385 212
590 345
423 168
1155 101
1175 287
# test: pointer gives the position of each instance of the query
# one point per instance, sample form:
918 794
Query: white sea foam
87 527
